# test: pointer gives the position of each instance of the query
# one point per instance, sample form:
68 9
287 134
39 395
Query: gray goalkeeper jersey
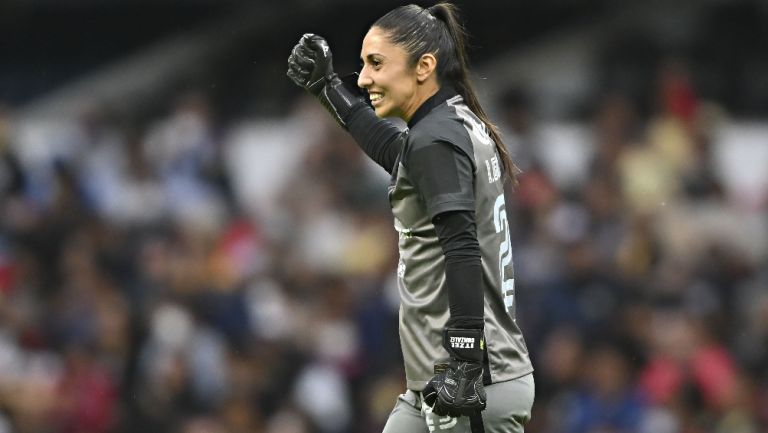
424 307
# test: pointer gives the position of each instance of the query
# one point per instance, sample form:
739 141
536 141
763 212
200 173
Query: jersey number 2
505 252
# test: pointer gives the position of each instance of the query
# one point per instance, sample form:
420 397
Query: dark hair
437 30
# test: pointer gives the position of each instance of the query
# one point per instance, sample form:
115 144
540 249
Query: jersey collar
443 94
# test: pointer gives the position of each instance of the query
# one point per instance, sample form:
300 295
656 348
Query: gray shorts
509 408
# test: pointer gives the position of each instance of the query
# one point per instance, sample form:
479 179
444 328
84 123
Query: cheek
399 86
403 86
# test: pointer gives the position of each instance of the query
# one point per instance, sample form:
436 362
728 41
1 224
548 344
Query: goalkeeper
466 363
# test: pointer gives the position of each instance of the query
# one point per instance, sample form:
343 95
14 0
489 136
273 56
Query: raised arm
310 66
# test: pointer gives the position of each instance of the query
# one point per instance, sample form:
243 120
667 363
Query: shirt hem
419 385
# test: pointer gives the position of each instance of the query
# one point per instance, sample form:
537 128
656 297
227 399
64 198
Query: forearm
457 234
379 138
457 387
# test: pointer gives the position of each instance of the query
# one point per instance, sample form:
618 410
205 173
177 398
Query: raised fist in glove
310 66
457 387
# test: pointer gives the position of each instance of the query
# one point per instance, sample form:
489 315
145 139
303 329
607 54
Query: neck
423 92
443 94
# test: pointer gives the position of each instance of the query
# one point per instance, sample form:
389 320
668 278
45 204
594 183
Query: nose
363 80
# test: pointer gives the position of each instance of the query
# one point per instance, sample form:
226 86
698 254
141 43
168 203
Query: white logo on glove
435 422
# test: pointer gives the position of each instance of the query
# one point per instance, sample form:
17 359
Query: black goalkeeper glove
310 66
457 388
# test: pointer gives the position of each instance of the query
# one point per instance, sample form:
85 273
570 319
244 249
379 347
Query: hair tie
432 10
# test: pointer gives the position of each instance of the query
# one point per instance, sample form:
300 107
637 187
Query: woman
466 363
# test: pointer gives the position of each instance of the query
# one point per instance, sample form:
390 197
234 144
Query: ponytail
459 77
437 30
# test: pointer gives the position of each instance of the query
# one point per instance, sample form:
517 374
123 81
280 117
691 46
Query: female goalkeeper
466 363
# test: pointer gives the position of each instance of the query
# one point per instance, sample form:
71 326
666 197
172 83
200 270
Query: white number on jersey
505 252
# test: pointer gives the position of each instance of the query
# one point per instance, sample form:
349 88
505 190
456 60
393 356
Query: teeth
375 96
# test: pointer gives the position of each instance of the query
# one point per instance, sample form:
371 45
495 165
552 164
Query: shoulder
442 124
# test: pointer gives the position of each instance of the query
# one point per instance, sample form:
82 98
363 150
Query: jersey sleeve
443 174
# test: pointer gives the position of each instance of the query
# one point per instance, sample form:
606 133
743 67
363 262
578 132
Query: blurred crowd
141 290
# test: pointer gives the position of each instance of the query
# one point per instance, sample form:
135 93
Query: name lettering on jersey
474 123
482 131
462 342
493 168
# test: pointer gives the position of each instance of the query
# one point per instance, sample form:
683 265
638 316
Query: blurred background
189 244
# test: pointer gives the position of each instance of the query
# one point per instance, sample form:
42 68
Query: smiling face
396 88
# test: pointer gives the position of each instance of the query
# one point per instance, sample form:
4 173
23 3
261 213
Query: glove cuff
339 97
465 322
464 344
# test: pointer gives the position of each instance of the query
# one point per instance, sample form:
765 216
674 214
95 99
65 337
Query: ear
425 67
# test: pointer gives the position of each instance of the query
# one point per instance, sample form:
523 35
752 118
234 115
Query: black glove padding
310 66
457 388
457 391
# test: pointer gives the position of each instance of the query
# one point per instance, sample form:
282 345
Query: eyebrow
372 55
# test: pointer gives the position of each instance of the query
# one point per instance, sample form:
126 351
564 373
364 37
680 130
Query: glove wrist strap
338 98
464 344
